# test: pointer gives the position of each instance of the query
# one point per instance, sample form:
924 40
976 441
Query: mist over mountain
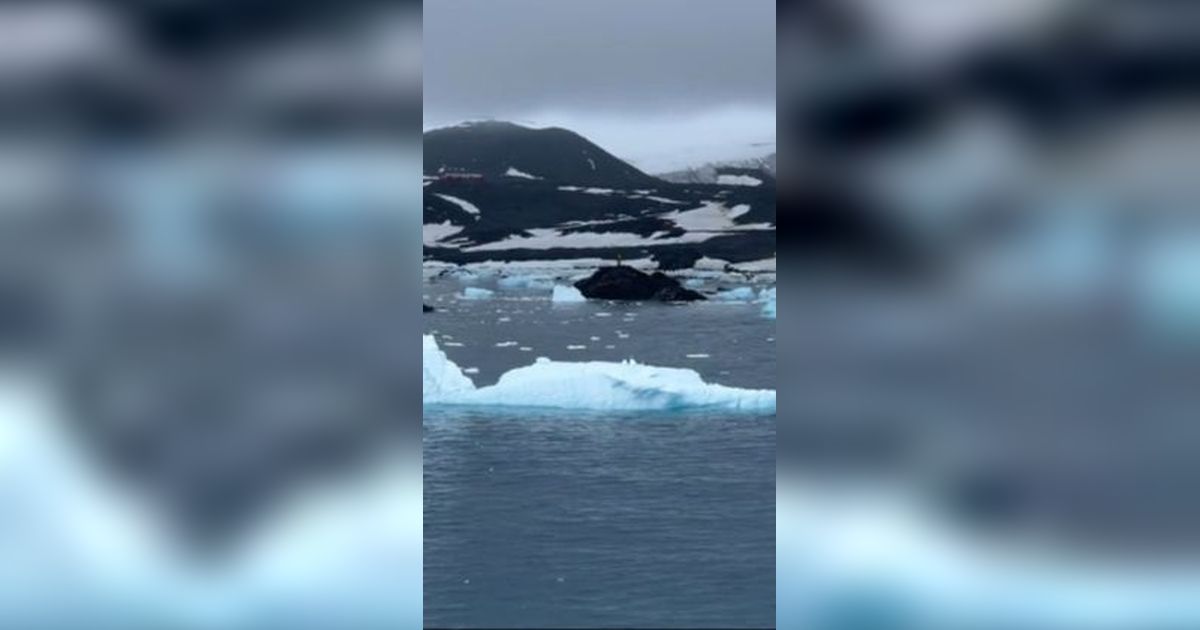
709 173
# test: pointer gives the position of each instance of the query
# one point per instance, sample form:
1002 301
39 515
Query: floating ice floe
566 295
431 233
526 282
476 293
740 294
586 386
767 297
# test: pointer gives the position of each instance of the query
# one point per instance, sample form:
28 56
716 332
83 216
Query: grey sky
663 66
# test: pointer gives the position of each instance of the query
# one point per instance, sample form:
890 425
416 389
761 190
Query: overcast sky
663 83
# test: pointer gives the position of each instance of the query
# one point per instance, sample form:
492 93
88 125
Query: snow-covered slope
497 191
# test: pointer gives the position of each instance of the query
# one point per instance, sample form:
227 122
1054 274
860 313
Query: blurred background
993 287
209 407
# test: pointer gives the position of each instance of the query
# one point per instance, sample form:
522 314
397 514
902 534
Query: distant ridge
499 149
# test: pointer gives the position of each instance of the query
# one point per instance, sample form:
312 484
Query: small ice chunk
767 297
476 293
566 295
740 294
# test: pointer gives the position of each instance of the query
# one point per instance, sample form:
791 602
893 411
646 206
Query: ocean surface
574 519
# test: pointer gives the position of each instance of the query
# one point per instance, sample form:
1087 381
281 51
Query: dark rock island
627 283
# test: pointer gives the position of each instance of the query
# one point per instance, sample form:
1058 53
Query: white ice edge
586 386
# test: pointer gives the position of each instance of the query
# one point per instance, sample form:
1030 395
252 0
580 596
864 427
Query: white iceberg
566 295
526 282
476 293
740 294
767 297
586 386
82 552
441 379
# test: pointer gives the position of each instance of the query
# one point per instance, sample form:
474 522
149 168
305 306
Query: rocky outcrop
627 283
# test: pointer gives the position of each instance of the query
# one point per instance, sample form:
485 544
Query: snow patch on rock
514 172
467 206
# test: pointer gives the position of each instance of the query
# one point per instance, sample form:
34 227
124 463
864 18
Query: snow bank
553 238
714 216
566 295
432 233
467 206
587 386
476 293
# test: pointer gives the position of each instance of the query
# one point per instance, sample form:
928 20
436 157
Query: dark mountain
498 191
490 149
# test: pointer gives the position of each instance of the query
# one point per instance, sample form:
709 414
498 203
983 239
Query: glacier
586 386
